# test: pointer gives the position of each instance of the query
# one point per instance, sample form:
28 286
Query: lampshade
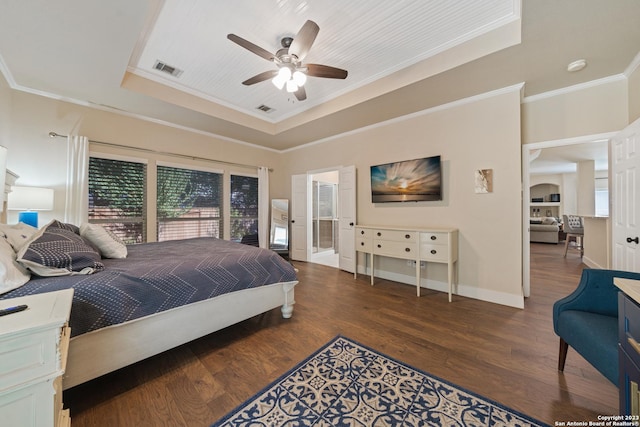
30 199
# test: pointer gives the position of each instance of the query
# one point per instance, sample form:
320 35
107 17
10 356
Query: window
602 196
244 207
117 197
189 203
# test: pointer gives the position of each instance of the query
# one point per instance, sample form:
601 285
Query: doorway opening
556 162
324 218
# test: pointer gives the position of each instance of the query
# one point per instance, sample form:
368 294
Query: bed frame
105 350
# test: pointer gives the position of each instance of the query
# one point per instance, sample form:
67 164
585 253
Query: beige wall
480 134
584 111
5 110
634 95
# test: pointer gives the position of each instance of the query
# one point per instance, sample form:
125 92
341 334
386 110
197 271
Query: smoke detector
577 65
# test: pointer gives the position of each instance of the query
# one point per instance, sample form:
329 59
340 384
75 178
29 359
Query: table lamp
30 200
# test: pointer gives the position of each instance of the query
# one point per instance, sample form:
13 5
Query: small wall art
484 181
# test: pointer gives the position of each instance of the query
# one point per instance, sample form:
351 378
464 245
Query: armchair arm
595 293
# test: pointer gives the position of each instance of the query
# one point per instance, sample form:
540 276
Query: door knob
351 224
636 240
292 221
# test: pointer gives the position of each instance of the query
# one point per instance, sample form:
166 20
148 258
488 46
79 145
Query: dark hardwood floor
505 354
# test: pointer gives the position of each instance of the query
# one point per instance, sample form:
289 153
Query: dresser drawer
395 235
629 319
434 238
27 358
364 244
395 249
436 253
363 232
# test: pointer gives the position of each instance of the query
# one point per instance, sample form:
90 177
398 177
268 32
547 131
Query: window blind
189 203
117 197
244 207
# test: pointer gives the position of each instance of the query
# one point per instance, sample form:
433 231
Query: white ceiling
401 56
371 39
565 159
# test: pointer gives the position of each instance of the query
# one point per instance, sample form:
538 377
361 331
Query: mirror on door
279 234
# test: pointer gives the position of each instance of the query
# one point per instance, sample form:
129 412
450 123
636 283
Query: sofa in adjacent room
544 230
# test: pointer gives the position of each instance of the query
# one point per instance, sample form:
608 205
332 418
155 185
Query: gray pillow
59 250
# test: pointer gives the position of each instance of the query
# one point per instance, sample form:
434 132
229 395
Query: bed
159 296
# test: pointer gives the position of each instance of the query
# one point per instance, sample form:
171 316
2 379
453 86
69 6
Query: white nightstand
33 356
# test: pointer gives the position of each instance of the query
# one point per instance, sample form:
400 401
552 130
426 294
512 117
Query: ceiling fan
291 72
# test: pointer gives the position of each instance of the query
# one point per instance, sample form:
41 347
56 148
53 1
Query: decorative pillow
549 220
56 250
109 245
12 274
17 234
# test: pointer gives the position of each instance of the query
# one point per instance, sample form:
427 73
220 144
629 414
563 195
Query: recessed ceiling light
576 65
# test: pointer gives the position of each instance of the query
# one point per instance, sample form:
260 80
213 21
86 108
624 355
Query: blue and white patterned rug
347 384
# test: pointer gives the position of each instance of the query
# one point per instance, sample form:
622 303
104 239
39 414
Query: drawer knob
433 237
407 249
407 236
361 231
379 246
379 234
433 252
361 243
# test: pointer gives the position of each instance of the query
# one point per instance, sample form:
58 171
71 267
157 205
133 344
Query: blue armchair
587 320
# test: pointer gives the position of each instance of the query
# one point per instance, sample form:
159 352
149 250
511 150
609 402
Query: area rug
348 384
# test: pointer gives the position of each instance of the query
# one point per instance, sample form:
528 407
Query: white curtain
263 208
77 201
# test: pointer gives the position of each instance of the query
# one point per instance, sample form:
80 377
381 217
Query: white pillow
109 245
17 234
12 274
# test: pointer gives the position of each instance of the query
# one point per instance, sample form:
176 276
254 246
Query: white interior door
526 237
300 249
625 165
347 218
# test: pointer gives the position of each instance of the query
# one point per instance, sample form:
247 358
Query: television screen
407 181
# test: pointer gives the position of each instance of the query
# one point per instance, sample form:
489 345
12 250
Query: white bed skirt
99 352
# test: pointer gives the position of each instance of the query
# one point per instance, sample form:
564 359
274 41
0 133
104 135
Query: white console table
416 244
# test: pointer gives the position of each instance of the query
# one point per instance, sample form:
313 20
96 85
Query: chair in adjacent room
573 228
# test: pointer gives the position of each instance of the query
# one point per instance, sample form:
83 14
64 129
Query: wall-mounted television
407 181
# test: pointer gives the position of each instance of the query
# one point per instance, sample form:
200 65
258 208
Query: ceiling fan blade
252 47
317 70
304 39
260 77
301 94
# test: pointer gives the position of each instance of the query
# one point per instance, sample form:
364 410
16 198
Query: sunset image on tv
410 180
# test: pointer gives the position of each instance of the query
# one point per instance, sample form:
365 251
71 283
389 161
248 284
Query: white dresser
33 353
415 244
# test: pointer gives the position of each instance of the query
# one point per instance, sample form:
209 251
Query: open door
625 200
300 249
347 218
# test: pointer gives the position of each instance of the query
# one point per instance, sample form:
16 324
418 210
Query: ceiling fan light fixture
278 82
283 76
291 86
300 78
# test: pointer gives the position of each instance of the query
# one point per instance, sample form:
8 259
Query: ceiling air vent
165 68
265 108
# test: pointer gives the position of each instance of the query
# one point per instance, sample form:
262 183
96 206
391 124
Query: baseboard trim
510 300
